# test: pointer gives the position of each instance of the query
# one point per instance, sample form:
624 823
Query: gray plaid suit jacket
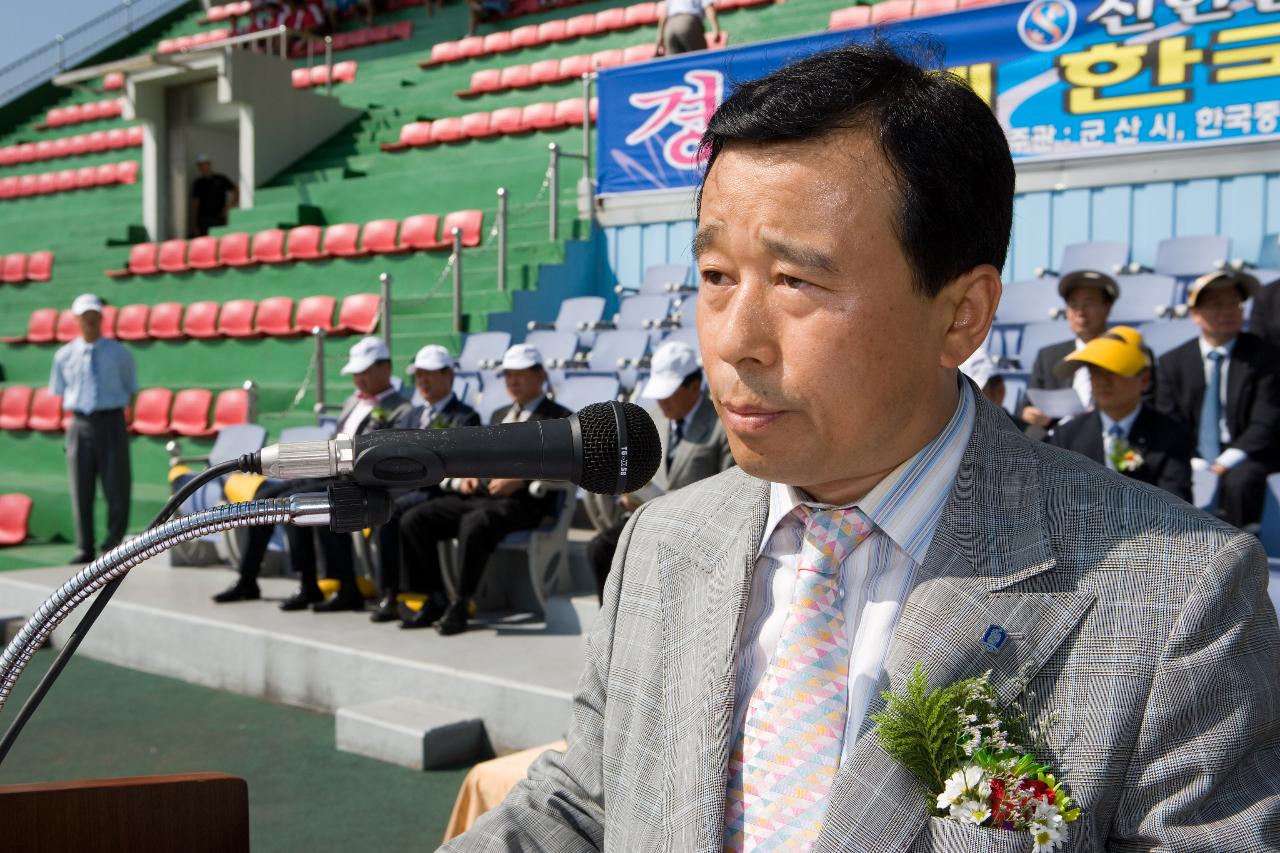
1145 625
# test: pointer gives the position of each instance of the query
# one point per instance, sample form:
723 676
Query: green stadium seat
513 77
314 311
499 42
304 243
379 238
541 116
172 256
609 20
581 26
131 322
236 318
165 323
544 71
231 408
268 246
476 126
446 130
109 321
359 313
15 513
274 316
421 231
468 221
233 250
202 253
14 268
68 326
342 240
526 36
191 413
15 407
46 411
200 320
506 120
40 266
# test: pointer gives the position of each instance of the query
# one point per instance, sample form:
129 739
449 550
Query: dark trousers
98 449
684 34
1241 493
390 574
600 551
479 523
339 556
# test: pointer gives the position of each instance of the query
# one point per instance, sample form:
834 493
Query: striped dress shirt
877 576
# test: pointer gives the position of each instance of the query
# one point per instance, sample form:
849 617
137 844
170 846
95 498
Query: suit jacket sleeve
1203 773
1041 371
1167 387
1258 438
560 805
1175 474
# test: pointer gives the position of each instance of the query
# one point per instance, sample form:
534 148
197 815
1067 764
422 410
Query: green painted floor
101 721
37 555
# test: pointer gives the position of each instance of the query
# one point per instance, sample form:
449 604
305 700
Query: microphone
606 448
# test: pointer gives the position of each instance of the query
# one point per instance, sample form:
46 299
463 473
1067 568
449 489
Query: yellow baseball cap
1247 284
1119 351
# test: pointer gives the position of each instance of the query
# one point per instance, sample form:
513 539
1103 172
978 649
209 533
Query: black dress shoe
339 603
424 618
388 610
454 620
302 599
81 557
239 591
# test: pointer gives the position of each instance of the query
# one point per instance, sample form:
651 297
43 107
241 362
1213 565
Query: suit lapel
696 432
1237 377
1091 443
992 537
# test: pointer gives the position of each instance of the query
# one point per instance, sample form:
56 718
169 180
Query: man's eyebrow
704 238
802 256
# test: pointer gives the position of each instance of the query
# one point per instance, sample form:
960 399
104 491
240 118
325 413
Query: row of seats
548 71
207 320
19 267
421 232
898 10
501 122
156 411
80 113
227 11
321 75
88 177
561 29
399 31
72 146
113 81
181 43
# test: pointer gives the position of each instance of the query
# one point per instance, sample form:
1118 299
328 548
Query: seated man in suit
694 443
1223 386
1121 433
482 512
433 372
374 405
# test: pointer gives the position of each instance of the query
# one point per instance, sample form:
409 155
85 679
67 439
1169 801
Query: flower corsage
1124 458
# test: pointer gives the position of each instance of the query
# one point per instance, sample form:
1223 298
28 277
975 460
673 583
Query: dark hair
696 376
946 149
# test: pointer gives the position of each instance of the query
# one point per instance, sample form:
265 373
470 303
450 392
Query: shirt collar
438 407
906 504
1206 347
533 404
1126 423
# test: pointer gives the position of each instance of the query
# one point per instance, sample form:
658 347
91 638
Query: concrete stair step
412 733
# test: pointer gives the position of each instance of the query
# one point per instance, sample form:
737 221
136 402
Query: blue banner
1066 78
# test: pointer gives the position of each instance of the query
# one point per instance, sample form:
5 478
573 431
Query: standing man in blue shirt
97 380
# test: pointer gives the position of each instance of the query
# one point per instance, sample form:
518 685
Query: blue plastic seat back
1027 302
1036 336
1140 296
482 346
1101 255
577 392
1163 335
579 309
1188 257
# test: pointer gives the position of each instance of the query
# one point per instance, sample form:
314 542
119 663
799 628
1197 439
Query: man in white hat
1223 386
212 197
97 379
483 511
433 371
694 443
375 405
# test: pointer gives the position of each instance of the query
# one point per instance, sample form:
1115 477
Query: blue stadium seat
578 315
1027 302
1101 255
577 391
617 352
1165 335
685 334
557 348
482 346
1188 257
1034 337
1143 297
659 279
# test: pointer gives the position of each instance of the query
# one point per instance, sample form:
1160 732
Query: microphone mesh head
604 470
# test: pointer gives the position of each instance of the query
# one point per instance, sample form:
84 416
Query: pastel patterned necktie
1210 439
793 732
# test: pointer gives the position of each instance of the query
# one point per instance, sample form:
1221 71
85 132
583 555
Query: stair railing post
384 281
328 64
457 280
553 178
586 127
319 369
251 388
502 239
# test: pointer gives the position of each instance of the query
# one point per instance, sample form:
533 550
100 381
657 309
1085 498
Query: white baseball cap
86 302
521 357
431 357
672 364
364 353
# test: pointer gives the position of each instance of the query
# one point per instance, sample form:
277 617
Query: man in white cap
375 405
694 443
432 370
97 379
483 511
1223 386
212 197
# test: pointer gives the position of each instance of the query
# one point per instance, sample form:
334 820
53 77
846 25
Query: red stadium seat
46 411
191 412
27 185
117 137
268 246
499 42
359 313
488 80
544 71
57 117
201 320
539 116
476 126
230 409
131 322
342 240
68 326
236 318
86 177
891 10
933 7
314 311
46 183
15 512
165 323
304 243
134 135
79 144
113 81
166 46
551 31
611 19
420 232
641 14
639 53
445 51
233 250
301 78
97 141
570 112
127 172
470 47
274 316
446 129
318 75
8 187
379 238
15 407
173 256
345 72
26 152
202 253
109 313
142 259
65 181
47 149
581 26
40 266
526 36
42 326
14 268
105 175
506 120
573 67
970 4
513 77
411 135
468 221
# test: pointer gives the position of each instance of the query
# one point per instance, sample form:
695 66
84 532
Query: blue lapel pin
994 640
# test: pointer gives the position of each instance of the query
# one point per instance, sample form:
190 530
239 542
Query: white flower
966 780
1045 835
970 811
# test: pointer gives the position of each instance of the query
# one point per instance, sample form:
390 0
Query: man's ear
969 307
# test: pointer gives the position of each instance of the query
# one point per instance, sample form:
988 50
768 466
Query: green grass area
103 721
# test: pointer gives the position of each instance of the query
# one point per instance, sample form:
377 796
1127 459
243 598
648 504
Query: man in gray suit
694 445
852 224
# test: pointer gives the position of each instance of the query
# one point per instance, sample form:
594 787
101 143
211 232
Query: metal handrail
553 170
457 279
502 239
384 307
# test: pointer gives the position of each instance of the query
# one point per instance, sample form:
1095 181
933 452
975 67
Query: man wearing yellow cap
1223 385
1120 432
